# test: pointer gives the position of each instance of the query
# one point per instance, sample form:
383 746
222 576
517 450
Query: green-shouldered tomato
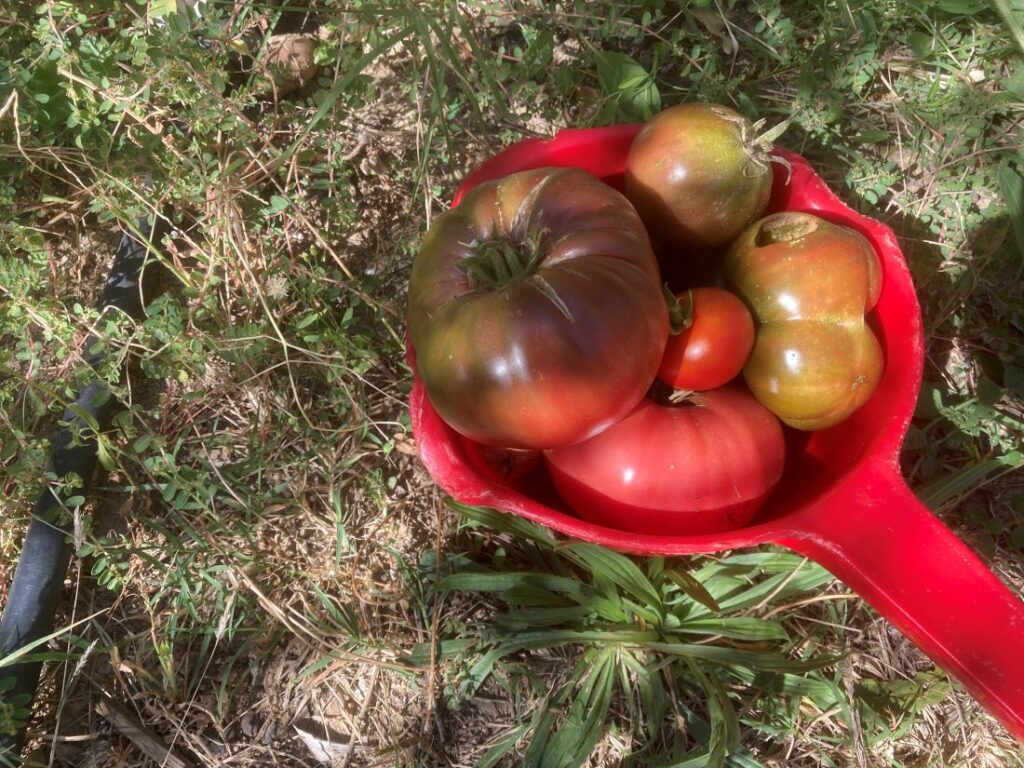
698 175
809 283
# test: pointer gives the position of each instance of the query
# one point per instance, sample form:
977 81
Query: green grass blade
480 671
614 567
724 726
770 662
650 704
550 638
503 746
514 525
953 486
815 687
810 576
483 65
529 618
1006 11
25 653
771 561
504 582
581 728
692 588
1011 186
446 650
745 628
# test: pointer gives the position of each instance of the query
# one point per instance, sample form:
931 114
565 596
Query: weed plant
264 549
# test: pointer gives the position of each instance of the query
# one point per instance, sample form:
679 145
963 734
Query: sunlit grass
264 545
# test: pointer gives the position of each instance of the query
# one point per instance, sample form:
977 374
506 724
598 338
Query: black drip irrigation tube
28 616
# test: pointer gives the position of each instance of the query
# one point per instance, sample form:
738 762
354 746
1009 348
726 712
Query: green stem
495 263
1016 30
680 313
499 266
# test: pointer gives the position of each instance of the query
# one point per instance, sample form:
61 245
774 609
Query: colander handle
879 539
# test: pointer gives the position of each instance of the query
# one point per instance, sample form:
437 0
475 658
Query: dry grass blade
129 726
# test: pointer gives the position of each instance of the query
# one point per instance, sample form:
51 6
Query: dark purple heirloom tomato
536 310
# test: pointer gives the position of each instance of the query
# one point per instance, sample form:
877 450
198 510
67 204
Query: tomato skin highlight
809 283
700 467
697 178
713 349
536 310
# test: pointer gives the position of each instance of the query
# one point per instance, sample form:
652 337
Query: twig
356 737
125 723
434 628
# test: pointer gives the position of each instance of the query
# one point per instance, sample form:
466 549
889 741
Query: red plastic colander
841 501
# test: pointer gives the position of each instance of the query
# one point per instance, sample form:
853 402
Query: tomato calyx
680 313
497 262
758 142
674 397
766 139
760 147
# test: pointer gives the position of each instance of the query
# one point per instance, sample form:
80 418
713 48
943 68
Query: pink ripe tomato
702 466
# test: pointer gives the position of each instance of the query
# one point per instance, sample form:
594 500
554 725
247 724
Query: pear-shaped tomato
809 283
536 310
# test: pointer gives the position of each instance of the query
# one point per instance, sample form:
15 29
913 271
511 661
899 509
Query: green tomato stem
494 263
680 313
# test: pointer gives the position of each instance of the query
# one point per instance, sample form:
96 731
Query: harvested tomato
536 310
809 283
717 336
701 466
698 174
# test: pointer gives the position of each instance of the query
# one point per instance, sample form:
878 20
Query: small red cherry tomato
713 349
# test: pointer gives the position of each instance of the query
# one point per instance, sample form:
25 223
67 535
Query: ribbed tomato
536 310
